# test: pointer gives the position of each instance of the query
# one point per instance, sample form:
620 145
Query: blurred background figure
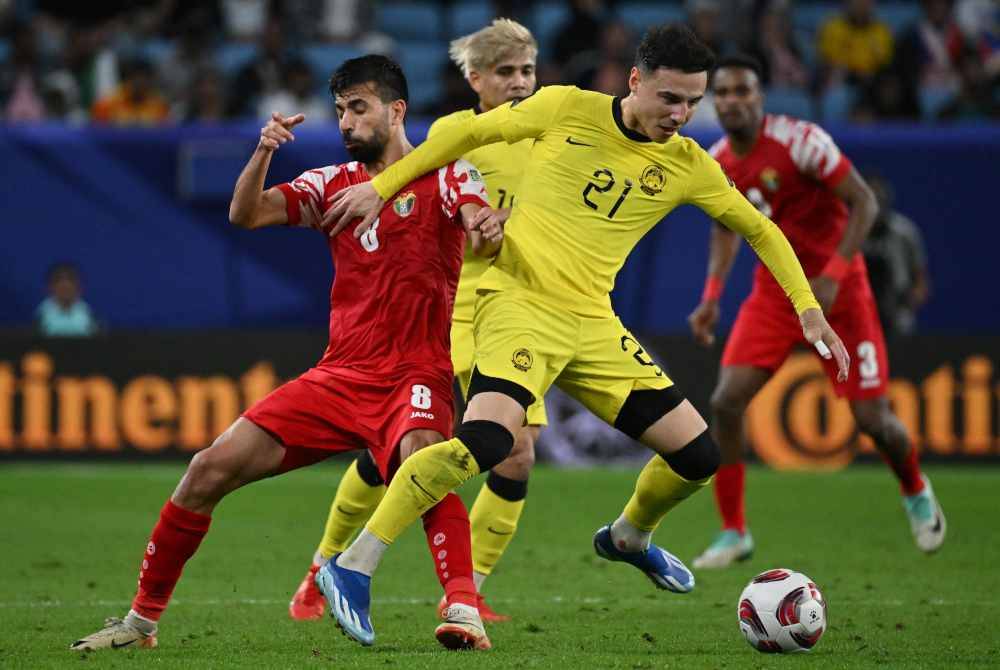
855 44
777 48
261 76
296 94
136 101
897 263
206 98
64 313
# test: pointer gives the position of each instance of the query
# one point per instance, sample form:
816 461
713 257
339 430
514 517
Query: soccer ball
782 611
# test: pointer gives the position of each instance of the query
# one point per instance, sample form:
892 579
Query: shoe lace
113 621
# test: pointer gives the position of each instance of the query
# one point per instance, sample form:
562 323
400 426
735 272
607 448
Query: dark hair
382 71
675 47
62 268
742 61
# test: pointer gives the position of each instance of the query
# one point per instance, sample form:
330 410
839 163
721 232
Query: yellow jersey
500 165
589 192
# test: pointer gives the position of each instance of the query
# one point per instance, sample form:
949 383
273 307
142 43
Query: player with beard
499 64
384 382
794 173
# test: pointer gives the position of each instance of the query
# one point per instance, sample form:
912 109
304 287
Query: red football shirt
394 288
789 175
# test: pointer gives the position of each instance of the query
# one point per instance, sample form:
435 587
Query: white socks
627 537
145 626
478 578
364 554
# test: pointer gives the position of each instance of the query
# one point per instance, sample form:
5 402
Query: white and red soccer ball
782 611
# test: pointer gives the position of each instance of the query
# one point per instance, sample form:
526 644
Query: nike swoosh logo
575 143
937 524
115 645
497 532
413 478
344 511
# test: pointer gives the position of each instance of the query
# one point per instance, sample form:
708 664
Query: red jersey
789 175
394 288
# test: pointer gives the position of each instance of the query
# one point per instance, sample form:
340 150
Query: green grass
72 537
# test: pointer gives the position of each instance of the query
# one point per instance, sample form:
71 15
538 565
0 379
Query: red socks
448 537
730 481
907 472
175 538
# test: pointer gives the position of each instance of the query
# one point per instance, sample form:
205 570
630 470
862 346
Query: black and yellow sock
428 475
665 482
358 494
494 518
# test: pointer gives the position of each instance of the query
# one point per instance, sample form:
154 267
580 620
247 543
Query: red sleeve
460 183
816 154
305 196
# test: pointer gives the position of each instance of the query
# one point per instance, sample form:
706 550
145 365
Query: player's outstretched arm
722 251
252 206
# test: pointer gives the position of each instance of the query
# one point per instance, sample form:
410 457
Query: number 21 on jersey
605 181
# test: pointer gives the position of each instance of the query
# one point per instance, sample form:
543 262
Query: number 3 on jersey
607 182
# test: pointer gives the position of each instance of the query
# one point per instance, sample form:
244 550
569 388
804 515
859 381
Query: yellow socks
657 491
421 481
354 503
494 520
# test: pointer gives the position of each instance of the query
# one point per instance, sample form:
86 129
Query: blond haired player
603 171
499 63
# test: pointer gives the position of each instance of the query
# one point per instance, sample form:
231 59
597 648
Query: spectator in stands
62 98
605 69
581 33
456 93
262 76
888 96
705 19
897 263
245 20
774 45
205 99
64 313
854 45
977 94
979 32
136 101
189 58
20 86
297 94
922 52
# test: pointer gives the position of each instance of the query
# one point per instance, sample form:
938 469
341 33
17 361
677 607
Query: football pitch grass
73 537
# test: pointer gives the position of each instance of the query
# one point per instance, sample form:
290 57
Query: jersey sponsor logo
577 143
522 360
770 179
405 203
652 180
421 415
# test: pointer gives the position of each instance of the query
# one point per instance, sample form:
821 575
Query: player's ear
397 111
475 81
634 77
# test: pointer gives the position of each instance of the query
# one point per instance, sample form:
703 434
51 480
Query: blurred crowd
172 61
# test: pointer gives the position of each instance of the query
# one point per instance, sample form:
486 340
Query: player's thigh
520 340
859 328
415 440
763 334
462 352
737 386
610 366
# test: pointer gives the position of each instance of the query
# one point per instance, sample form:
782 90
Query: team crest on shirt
405 203
769 178
652 180
522 360
474 174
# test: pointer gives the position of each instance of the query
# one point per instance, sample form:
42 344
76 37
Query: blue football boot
664 569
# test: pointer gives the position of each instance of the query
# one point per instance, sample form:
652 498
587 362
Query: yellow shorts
524 339
462 352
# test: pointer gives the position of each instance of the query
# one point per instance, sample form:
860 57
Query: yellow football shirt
591 189
500 165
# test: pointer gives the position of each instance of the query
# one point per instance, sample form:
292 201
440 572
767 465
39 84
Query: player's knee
207 479
874 421
488 442
368 470
644 407
521 460
697 460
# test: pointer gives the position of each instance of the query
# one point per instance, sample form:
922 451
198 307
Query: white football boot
118 634
926 518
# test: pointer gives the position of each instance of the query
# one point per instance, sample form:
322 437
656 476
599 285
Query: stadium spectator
64 313
245 20
774 44
262 76
190 57
897 263
887 96
206 98
605 68
979 30
297 94
976 98
705 19
136 101
580 33
20 85
855 44
922 52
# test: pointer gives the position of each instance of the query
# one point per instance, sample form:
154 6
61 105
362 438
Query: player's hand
819 334
703 321
278 131
360 201
490 223
825 289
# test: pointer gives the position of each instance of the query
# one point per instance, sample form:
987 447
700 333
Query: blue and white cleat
665 570
348 593
926 518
